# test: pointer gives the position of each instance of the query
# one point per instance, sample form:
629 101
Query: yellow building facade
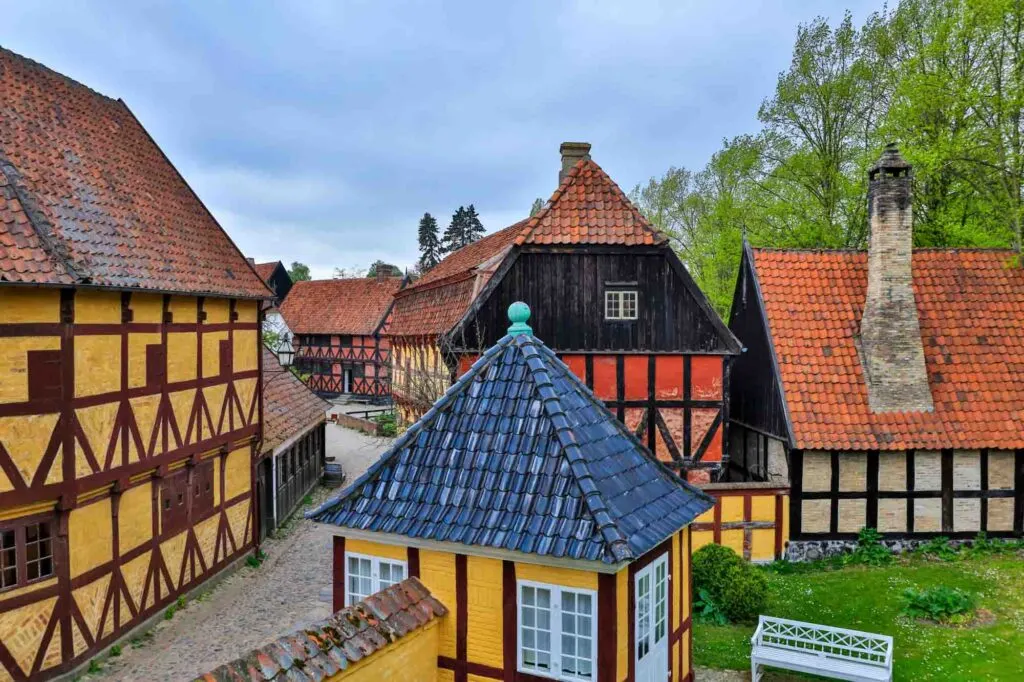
419 376
127 431
481 637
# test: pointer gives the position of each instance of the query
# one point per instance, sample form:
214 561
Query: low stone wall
365 425
750 518
813 550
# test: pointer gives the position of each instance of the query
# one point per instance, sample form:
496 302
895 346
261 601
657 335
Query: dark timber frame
872 494
173 447
565 287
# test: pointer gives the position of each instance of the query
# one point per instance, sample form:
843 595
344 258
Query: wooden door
651 627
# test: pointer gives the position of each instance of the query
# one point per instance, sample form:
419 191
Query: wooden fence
751 518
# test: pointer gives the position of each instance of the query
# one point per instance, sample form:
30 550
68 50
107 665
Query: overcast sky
321 131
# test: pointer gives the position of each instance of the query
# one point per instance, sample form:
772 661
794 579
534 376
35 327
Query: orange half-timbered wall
128 424
327 357
675 404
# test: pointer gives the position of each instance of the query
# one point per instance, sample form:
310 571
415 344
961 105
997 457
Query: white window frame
375 581
556 630
619 296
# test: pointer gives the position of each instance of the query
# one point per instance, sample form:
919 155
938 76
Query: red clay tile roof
589 208
289 407
324 649
87 197
265 270
432 311
438 300
355 305
971 309
464 260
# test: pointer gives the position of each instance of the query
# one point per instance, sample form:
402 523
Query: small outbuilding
292 453
561 544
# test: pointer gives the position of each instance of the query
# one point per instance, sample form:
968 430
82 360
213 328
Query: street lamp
285 352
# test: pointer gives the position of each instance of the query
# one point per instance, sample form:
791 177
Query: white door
651 628
346 378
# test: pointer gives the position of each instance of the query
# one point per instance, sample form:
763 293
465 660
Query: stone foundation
814 550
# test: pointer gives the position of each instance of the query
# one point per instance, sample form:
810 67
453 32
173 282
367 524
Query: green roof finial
518 314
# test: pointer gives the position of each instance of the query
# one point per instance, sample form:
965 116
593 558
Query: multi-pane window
557 631
8 559
620 305
26 554
366 575
38 551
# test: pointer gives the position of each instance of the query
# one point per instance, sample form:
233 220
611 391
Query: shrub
387 425
728 585
747 596
939 548
712 565
115 650
940 604
707 611
870 549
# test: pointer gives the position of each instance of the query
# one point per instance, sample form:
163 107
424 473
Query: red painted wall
658 413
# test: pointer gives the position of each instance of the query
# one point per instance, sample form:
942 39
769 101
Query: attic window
620 304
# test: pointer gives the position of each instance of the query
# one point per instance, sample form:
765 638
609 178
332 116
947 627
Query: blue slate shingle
519 455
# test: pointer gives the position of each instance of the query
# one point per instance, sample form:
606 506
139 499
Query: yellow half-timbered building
130 406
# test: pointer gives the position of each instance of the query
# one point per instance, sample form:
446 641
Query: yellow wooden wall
104 513
413 658
419 376
484 603
752 521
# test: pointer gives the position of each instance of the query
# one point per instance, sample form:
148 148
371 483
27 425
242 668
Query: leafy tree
385 269
430 244
299 272
474 228
537 205
943 78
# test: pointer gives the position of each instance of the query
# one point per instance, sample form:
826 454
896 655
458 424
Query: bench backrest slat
849 645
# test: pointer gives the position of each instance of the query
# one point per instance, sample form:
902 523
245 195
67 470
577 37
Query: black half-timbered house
613 300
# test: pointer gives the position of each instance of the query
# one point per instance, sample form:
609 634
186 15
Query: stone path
254 605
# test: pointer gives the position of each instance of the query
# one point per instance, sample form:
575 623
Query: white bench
820 650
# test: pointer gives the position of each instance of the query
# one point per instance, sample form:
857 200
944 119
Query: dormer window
620 304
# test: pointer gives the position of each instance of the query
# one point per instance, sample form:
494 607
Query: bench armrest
756 637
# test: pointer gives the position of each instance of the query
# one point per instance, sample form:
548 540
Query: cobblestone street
254 605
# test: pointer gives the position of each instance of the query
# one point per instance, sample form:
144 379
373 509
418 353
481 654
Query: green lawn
870 599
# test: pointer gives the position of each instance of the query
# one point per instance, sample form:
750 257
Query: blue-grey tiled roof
519 455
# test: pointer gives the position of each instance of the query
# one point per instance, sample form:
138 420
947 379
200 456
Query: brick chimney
892 353
571 153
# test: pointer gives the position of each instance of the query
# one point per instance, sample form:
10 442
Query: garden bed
871 599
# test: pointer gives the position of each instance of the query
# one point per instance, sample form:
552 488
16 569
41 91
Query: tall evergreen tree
537 205
430 243
454 236
474 228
